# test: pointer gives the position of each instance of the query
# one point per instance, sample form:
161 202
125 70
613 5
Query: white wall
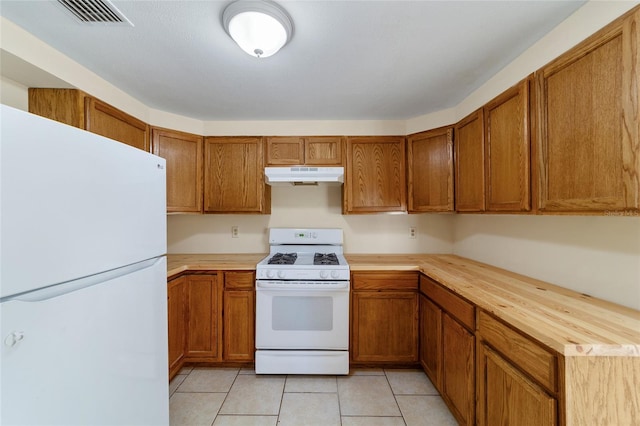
599 256
595 255
310 207
13 94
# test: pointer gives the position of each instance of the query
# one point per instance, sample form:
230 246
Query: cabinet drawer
239 280
460 309
384 280
530 357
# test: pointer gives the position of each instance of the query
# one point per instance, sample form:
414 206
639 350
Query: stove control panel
302 274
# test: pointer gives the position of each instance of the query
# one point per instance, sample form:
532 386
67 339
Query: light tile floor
371 397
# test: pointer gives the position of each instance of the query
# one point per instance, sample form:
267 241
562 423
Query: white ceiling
347 60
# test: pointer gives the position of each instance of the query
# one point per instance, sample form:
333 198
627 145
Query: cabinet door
507 150
458 370
183 152
507 397
469 163
431 341
323 151
375 175
384 326
204 309
430 164
239 318
110 122
63 105
284 151
234 176
588 145
176 313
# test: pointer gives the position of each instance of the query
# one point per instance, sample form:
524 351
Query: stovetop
318 259
304 254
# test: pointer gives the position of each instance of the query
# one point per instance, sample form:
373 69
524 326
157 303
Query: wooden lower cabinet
239 316
508 397
458 370
211 318
204 318
176 314
384 317
431 340
447 347
517 380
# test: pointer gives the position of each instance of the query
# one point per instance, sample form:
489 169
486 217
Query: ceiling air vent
95 12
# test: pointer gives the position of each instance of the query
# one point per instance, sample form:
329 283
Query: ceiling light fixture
260 27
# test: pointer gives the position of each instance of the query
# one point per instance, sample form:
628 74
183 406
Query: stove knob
324 274
334 274
281 274
269 273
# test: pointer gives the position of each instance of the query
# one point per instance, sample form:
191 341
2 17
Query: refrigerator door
94 356
73 203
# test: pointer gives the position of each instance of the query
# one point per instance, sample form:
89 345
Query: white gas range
302 304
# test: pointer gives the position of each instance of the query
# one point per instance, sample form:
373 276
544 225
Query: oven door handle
304 285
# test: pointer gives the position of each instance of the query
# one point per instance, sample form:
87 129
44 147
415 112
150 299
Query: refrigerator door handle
60 289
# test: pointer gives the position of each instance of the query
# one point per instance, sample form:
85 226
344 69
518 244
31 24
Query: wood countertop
177 263
568 322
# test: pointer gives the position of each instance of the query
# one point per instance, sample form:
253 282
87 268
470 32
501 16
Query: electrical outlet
235 231
412 232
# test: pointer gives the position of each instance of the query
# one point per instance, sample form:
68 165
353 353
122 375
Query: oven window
302 313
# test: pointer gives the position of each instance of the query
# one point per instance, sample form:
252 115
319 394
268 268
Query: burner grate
325 259
283 259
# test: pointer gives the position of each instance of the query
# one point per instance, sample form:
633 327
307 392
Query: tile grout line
225 397
384 370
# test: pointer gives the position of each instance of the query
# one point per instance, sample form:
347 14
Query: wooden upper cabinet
105 120
375 174
63 105
234 176
183 152
507 147
294 150
430 170
588 147
285 150
323 150
78 109
469 163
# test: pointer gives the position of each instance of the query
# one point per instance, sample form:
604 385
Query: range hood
303 175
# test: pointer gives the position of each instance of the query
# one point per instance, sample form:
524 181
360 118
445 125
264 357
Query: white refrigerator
83 302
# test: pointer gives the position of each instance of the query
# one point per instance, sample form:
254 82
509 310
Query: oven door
290 316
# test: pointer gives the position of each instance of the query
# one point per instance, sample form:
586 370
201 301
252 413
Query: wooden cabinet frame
183 153
384 318
430 171
449 356
469 163
375 176
308 150
588 149
234 176
507 150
